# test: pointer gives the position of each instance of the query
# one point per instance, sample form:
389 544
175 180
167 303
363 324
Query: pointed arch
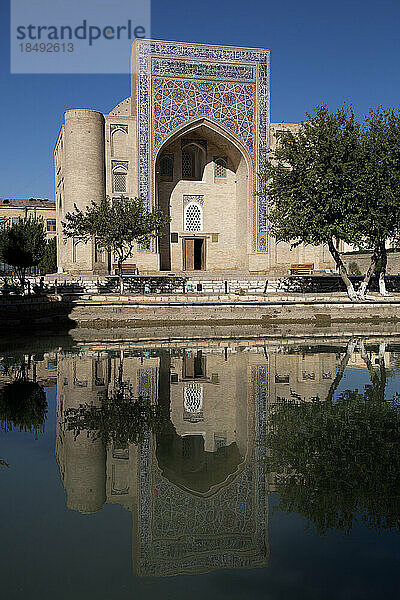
195 146
214 126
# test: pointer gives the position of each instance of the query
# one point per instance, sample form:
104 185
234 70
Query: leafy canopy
337 461
116 224
378 178
120 419
309 179
23 243
23 406
48 263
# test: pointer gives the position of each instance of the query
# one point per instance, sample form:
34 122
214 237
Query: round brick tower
84 175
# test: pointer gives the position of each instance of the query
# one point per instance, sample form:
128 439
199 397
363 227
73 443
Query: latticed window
167 165
219 168
187 164
193 218
119 182
119 175
219 442
193 398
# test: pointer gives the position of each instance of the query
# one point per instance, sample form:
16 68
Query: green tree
378 182
120 419
23 405
22 245
48 263
354 269
309 184
116 224
336 460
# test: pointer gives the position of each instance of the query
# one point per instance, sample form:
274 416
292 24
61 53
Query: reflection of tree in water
120 418
23 403
337 460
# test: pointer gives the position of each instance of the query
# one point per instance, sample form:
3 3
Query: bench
302 269
127 269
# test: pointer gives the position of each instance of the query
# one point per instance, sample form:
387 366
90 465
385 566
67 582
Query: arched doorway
204 182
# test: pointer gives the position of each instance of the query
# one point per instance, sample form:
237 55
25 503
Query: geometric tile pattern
146 383
177 82
260 383
177 101
193 198
181 533
119 163
124 128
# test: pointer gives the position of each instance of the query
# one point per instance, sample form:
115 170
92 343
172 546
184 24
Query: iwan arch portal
193 139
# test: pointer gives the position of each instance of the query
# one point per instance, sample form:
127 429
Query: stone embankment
196 309
33 313
228 309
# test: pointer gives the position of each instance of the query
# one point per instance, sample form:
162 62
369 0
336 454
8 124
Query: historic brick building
192 139
12 209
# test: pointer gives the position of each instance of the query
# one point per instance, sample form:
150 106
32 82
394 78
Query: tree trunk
342 271
367 360
121 280
378 382
382 368
20 272
120 369
343 364
364 284
382 272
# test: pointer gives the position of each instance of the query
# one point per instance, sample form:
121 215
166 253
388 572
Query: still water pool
212 470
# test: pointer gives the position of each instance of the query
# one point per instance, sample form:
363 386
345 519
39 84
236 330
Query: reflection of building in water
82 461
207 489
41 369
356 361
196 490
301 375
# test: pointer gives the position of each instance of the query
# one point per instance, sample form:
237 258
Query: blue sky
320 51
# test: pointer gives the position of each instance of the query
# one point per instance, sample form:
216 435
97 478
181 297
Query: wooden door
188 246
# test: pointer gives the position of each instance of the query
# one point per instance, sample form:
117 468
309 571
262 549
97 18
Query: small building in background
11 209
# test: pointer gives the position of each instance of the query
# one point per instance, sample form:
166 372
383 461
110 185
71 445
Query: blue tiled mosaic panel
145 379
178 101
200 70
234 63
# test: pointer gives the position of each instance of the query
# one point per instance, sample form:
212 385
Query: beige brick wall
9 213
